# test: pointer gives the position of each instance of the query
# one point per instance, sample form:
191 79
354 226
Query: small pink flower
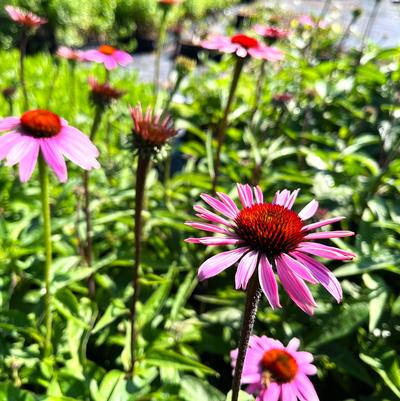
271 32
269 236
103 94
274 372
42 130
308 21
25 18
109 56
243 46
70 54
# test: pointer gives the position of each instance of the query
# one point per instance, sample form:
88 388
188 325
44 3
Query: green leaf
193 388
243 396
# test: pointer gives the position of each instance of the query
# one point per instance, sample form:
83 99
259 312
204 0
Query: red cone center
272 229
106 49
246 41
280 365
41 123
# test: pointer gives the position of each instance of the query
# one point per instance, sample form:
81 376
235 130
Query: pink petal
245 195
218 205
281 197
228 202
325 251
214 241
323 275
298 268
322 223
268 282
288 393
21 148
241 52
308 369
303 357
54 158
7 142
218 263
296 288
305 389
9 123
122 58
207 215
258 194
28 162
110 63
329 234
272 393
309 210
208 227
293 345
246 269
291 199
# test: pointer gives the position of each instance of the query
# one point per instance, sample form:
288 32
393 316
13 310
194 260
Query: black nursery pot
193 51
144 44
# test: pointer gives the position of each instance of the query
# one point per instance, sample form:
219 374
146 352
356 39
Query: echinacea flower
25 18
103 94
243 46
70 54
151 131
282 98
274 372
271 32
109 56
169 2
270 236
308 22
44 131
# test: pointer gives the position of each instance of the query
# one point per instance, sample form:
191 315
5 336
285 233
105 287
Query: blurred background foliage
337 139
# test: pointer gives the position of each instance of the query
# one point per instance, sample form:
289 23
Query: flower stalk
160 43
88 249
141 175
224 122
44 186
22 54
253 295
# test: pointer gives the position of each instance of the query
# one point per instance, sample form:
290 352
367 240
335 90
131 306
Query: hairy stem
44 186
141 174
224 122
252 298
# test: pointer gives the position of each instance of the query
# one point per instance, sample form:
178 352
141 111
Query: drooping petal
208 227
207 215
246 269
28 162
309 210
214 241
272 393
298 268
110 63
122 58
288 393
296 288
9 123
325 251
21 148
218 263
268 282
322 274
54 159
7 142
305 388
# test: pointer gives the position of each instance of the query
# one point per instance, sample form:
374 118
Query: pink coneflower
169 2
271 32
103 94
151 130
45 131
282 98
25 18
109 56
274 372
70 54
268 236
243 46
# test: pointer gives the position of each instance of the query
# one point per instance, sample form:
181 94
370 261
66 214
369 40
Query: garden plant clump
230 233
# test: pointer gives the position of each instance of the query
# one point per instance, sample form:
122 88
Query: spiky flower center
279 366
153 133
41 123
271 229
246 41
107 49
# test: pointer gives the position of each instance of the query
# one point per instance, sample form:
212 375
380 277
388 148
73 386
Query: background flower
25 18
109 56
274 372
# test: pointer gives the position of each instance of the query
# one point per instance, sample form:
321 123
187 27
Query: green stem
88 251
368 29
141 175
44 185
52 86
224 122
160 43
259 90
253 295
22 54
